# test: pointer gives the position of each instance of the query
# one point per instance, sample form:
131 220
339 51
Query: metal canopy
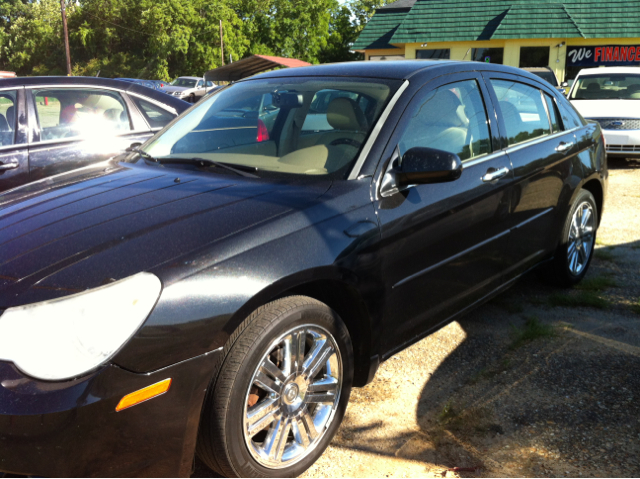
250 66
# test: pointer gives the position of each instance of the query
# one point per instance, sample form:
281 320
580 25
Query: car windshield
184 82
607 87
303 126
548 76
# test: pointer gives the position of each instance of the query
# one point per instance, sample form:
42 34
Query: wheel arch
595 188
340 295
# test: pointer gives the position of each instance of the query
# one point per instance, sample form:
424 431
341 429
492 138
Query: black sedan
220 290
50 125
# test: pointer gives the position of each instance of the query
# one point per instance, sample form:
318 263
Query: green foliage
586 299
163 39
597 283
533 329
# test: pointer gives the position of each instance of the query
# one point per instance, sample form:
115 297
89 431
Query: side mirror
420 166
133 146
564 84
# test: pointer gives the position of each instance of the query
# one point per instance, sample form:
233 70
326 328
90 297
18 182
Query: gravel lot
539 382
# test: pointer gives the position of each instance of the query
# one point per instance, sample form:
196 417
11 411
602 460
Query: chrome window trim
155 102
481 159
65 141
16 146
538 140
78 85
14 88
355 171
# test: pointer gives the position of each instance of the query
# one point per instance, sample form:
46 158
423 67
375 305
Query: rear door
14 153
541 152
442 244
73 127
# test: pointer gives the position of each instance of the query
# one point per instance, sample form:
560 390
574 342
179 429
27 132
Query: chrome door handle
562 147
9 165
495 175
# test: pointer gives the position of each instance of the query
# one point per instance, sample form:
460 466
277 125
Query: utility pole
221 45
66 36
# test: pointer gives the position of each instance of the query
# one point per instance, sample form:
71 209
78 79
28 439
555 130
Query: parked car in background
549 75
190 89
611 96
50 125
223 292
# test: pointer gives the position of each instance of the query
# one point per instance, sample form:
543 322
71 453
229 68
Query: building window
386 57
488 55
534 57
442 54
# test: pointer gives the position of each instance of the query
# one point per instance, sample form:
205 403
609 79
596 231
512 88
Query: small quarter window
553 113
450 118
156 117
523 112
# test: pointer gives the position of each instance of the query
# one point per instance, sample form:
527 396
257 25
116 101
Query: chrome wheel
581 237
293 396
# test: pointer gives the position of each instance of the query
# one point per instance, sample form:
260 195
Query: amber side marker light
144 394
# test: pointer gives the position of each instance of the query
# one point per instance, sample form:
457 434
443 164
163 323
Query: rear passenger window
7 117
79 112
522 109
156 117
450 118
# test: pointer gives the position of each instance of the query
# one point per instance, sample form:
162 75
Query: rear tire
271 412
575 251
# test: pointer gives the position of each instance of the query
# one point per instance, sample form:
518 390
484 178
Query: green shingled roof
469 20
534 20
380 29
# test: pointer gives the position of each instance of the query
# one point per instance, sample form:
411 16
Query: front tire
281 393
574 254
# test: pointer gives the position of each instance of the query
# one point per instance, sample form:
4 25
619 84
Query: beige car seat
442 125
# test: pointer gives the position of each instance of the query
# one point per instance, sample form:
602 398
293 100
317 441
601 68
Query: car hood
62 237
171 89
607 108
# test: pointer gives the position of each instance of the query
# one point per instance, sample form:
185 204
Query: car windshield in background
607 87
184 82
306 126
548 76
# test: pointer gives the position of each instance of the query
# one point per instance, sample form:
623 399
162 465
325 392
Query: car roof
191 78
97 82
607 70
392 70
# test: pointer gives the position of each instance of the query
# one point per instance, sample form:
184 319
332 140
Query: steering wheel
346 141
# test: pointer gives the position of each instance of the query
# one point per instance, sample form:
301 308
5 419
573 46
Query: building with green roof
564 35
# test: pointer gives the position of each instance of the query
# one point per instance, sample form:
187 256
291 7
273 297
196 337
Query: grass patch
533 329
597 283
604 255
586 299
509 306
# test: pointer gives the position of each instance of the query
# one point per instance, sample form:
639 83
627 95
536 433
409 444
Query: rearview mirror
287 100
420 166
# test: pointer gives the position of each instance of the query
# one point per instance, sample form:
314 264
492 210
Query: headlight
67 337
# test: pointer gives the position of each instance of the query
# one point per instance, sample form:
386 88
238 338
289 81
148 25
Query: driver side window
451 118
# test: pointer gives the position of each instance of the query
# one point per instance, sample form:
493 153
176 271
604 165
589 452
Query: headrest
594 87
630 89
635 95
113 114
445 108
11 117
345 114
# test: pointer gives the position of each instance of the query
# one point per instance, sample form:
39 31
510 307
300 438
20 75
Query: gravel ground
539 382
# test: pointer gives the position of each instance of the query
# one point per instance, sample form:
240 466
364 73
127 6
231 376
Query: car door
540 149
14 153
442 243
77 126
